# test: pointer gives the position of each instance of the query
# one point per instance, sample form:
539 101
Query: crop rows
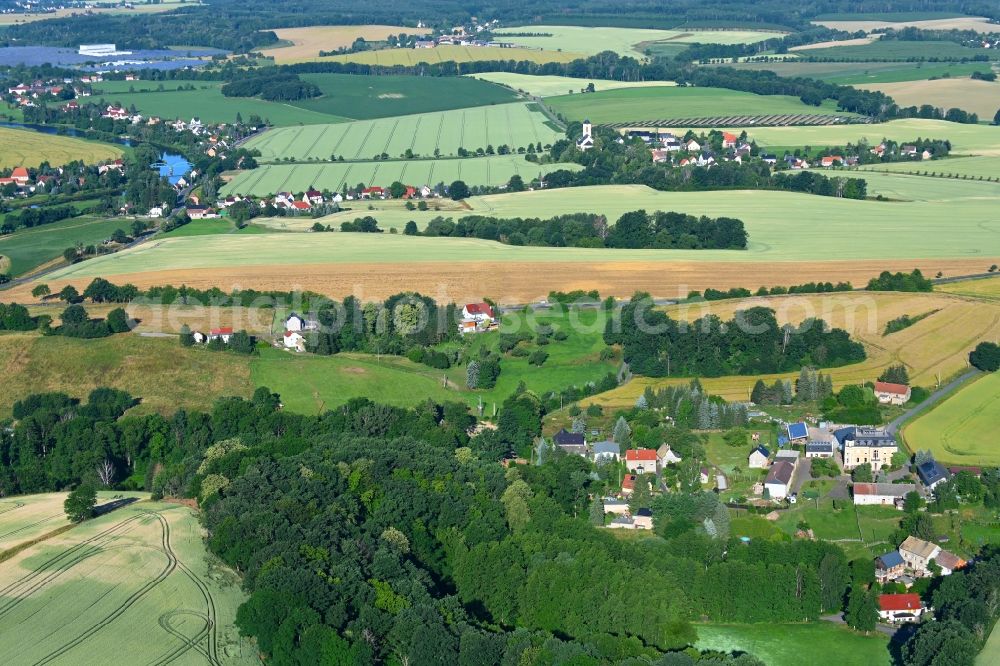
515 125
784 120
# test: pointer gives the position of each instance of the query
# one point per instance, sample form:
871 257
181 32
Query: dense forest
634 230
752 343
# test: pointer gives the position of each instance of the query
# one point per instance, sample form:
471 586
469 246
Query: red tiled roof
479 308
888 387
899 602
640 455
301 205
628 483
225 330
19 172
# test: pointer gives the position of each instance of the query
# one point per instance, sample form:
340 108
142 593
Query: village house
692 146
949 562
758 458
294 340
729 140
900 608
313 197
779 478
223 333
867 446
373 192
606 451
477 311
665 456
20 176
301 206
918 553
294 323
888 393
703 476
883 494
787 455
889 567
932 473
615 506
643 519
571 442
628 485
115 113
641 461
199 337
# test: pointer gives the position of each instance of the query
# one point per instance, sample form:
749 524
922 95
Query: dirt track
521 282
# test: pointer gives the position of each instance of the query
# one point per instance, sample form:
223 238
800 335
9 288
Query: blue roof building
797 431
932 473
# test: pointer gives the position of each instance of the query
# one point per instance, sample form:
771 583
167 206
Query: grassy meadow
623 41
960 429
165 375
816 643
28 148
515 125
647 104
362 97
27 249
850 73
138 578
207 103
272 178
553 85
302 44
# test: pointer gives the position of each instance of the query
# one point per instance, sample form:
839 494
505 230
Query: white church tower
587 140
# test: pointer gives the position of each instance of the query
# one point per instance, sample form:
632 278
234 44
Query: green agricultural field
552 85
26 518
272 178
364 97
137 578
957 169
624 41
906 187
208 103
412 57
991 651
515 125
897 50
815 643
959 430
849 73
28 249
647 104
849 230
22 147
988 289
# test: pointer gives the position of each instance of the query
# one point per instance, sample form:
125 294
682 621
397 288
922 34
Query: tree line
656 345
280 87
635 230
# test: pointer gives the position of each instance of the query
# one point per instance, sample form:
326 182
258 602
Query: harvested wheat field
976 23
857 41
935 347
982 97
306 43
513 281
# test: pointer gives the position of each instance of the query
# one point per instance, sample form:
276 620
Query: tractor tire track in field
298 133
416 132
172 563
29 525
281 188
364 141
309 151
461 135
510 130
188 643
437 140
29 584
17 505
343 134
392 132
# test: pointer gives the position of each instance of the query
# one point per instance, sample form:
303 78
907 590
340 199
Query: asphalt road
932 399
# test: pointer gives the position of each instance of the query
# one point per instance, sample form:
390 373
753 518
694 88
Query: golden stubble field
981 97
307 42
934 348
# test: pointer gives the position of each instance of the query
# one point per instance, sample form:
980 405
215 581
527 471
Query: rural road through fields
935 397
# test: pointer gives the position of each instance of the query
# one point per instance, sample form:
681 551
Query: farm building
758 458
779 479
797 432
819 449
665 456
606 451
571 442
884 494
918 553
892 394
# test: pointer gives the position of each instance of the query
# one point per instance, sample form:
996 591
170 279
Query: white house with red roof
313 197
729 139
222 333
641 461
115 113
892 394
294 340
20 176
900 608
373 192
301 205
477 312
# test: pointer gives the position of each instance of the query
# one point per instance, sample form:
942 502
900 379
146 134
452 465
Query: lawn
552 85
19 147
623 41
303 44
363 97
138 577
209 104
981 97
515 125
883 49
959 430
28 249
816 643
661 103
166 376
412 57
494 171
